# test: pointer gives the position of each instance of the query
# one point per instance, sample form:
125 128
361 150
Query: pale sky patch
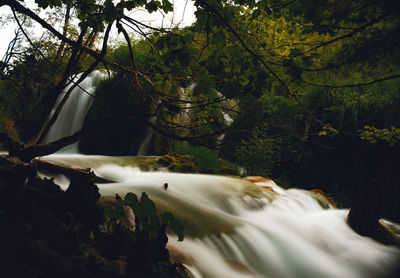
183 15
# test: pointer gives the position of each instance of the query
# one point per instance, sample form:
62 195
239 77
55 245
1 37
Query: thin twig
355 85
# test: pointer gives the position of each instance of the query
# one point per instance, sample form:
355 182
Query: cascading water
145 145
73 113
220 139
236 228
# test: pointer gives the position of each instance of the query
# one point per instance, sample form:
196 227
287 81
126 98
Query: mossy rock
185 163
184 167
229 169
166 160
178 163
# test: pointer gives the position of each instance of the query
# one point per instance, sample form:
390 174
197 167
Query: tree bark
65 30
54 117
69 171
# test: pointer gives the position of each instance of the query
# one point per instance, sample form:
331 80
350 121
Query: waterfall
220 138
73 113
235 228
145 145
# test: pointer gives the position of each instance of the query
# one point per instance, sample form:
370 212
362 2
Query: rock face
366 211
269 184
365 216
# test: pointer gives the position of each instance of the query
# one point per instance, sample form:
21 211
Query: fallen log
59 168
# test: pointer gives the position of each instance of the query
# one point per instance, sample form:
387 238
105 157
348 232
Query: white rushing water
145 145
236 228
73 113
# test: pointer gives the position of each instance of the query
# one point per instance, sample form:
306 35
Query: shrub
205 159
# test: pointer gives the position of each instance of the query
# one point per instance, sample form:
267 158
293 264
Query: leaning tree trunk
65 30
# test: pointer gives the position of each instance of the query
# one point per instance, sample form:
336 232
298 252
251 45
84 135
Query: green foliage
170 221
350 109
8 100
7 127
176 52
95 15
144 245
24 93
373 135
143 55
205 159
48 3
259 154
147 219
263 55
327 130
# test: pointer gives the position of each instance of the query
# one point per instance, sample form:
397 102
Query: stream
235 228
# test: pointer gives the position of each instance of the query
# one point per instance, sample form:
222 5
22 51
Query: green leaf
188 38
147 206
168 219
131 199
152 6
167 6
48 3
143 208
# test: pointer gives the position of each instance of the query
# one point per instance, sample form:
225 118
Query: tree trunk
65 30
67 170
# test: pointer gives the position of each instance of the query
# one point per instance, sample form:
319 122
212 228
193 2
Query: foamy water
235 228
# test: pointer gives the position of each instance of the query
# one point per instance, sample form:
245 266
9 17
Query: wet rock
322 197
261 181
257 179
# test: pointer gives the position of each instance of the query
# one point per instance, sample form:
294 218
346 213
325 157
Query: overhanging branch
21 9
355 85
30 152
54 117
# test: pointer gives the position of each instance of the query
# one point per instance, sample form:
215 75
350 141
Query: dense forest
303 92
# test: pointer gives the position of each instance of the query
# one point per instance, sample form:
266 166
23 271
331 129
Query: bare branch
20 8
27 37
355 85
68 93
350 34
132 55
246 47
65 29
